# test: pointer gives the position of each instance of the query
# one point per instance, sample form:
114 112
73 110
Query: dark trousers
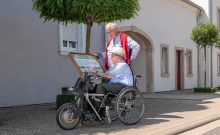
103 88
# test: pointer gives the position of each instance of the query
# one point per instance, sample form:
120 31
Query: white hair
111 25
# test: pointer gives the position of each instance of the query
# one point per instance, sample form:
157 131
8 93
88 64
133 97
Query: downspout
198 56
211 66
198 16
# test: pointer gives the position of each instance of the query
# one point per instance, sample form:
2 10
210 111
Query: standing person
120 74
118 38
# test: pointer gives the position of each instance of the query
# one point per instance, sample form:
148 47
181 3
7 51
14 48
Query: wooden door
178 70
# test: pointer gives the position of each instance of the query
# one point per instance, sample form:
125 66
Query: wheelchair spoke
130 106
67 116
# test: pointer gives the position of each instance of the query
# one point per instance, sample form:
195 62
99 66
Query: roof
192 4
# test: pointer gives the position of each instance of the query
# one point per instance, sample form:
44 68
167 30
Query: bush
69 98
64 98
218 87
205 89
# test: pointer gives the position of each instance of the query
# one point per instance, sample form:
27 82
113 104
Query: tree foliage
86 11
205 35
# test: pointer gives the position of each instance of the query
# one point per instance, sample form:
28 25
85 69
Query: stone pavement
166 113
212 128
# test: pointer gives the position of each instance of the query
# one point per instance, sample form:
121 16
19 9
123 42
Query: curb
188 127
196 97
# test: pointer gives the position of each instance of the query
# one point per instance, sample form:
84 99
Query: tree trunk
205 66
88 35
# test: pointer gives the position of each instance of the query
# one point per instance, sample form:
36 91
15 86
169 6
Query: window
72 38
164 60
218 64
189 62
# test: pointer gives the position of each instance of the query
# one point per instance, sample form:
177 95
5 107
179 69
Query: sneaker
123 113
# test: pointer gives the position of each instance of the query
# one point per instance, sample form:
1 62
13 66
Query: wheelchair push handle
135 80
137 76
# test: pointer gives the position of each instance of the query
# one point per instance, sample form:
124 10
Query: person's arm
107 75
101 55
135 48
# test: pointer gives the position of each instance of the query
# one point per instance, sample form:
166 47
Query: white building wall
204 4
215 8
167 22
210 14
216 78
215 20
204 17
205 14
32 71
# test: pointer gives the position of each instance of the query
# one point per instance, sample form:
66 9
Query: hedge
218 87
68 98
205 90
64 98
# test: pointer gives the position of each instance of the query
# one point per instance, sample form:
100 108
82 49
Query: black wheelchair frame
116 105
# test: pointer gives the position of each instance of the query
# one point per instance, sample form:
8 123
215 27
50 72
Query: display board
85 62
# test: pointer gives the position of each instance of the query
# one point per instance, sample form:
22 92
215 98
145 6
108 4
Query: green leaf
205 34
86 11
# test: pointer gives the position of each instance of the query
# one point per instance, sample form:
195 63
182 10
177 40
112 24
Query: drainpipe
198 56
198 16
211 51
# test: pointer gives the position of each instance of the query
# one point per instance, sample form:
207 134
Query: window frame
80 43
189 57
166 73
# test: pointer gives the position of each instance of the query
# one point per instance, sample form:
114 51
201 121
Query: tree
86 11
205 35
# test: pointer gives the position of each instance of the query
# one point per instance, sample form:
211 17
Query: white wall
167 22
211 14
32 71
216 78
215 20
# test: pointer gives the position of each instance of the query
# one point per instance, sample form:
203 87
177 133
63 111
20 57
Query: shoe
123 113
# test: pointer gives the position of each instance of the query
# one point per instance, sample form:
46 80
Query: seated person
120 75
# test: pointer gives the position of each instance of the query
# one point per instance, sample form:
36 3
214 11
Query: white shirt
121 73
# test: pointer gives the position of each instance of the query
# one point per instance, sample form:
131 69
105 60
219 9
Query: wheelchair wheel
130 106
67 116
112 110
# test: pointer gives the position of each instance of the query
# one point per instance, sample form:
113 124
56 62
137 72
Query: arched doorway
143 65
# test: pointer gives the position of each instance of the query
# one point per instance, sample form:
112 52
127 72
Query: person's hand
93 70
93 54
107 75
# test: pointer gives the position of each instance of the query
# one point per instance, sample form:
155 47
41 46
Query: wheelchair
127 105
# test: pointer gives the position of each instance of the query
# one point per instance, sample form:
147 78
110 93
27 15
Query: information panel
85 62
